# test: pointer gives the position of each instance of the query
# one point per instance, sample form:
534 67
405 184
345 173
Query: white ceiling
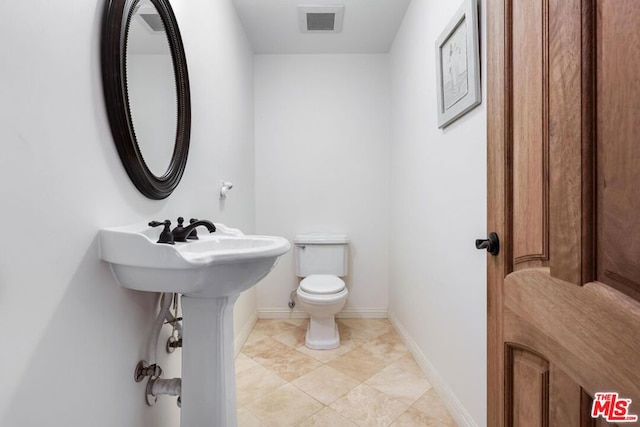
369 26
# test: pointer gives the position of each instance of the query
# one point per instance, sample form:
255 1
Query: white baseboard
449 399
239 341
351 313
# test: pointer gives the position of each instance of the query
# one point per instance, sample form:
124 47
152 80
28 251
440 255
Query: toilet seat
322 284
322 299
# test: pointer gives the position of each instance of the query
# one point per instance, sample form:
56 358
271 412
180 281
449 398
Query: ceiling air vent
154 21
327 18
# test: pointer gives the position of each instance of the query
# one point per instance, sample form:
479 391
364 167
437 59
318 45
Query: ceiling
369 26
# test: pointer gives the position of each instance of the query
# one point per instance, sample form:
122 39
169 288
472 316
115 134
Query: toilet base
322 334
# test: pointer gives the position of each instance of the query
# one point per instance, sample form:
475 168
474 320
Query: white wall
71 335
322 164
438 207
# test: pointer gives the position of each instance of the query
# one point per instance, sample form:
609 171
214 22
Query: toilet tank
321 253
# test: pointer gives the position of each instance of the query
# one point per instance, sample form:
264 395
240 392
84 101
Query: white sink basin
223 263
210 273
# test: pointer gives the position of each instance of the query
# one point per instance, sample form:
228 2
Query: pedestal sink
210 273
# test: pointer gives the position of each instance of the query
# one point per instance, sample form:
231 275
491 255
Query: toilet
321 260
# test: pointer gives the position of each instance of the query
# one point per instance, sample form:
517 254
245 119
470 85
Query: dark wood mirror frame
117 16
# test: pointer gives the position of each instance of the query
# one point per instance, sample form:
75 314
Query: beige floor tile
431 404
358 363
327 418
281 359
369 327
326 384
353 337
370 351
255 382
271 327
254 337
300 323
293 337
414 418
402 385
286 406
247 419
387 346
291 364
263 348
244 362
325 356
367 406
408 363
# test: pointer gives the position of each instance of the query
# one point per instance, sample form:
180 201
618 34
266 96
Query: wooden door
564 198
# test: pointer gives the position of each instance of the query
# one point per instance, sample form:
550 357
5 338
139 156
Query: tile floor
370 380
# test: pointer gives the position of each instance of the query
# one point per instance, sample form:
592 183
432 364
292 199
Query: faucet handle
166 236
179 227
158 223
194 234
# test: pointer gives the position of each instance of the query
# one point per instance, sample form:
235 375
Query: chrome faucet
181 233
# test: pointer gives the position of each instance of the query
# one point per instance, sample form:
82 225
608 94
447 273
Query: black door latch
492 244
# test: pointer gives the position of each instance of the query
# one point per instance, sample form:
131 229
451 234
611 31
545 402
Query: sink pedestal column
208 366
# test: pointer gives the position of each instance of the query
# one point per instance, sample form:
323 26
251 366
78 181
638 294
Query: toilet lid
322 284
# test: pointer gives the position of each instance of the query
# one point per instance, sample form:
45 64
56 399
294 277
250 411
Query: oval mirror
146 88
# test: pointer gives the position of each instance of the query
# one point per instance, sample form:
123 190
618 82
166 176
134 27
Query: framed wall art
458 65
